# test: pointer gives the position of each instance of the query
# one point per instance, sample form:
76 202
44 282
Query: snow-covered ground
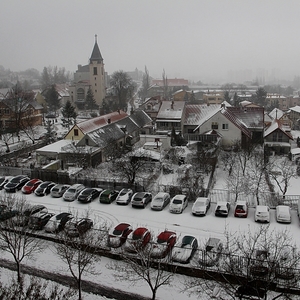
156 221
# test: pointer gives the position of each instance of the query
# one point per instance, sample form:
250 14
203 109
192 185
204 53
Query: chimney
108 120
172 104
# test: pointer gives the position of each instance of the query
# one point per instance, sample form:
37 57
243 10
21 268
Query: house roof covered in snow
171 110
277 125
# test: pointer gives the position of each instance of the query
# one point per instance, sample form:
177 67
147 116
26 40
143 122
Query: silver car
73 191
58 190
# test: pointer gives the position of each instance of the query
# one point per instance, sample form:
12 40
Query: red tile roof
95 123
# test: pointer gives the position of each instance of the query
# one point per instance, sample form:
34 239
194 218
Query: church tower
97 74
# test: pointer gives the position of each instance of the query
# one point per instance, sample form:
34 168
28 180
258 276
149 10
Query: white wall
229 136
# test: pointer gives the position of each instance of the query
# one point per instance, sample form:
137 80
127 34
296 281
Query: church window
95 71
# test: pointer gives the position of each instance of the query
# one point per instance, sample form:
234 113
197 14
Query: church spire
96 55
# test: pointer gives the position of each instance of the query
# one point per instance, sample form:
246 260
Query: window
7 112
95 71
280 137
75 132
87 142
225 126
214 125
190 130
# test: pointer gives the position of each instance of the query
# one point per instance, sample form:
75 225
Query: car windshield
124 192
55 189
45 184
30 183
138 199
160 241
200 203
177 201
87 192
240 207
136 237
117 232
71 191
159 199
16 180
221 208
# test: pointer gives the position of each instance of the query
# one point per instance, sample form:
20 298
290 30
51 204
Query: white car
73 191
124 197
160 201
58 190
201 206
283 214
262 214
178 204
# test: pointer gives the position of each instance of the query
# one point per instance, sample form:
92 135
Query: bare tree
143 267
80 253
253 262
282 173
14 239
131 165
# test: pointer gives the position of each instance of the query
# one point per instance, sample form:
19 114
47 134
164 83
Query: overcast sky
191 39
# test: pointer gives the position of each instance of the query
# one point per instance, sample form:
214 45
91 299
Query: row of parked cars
165 243
37 217
140 199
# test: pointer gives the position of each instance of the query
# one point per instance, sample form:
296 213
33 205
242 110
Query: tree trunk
19 272
79 289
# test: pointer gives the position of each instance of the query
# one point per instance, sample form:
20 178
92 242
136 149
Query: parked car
22 218
57 222
16 183
201 206
211 254
58 190
118 235
76 227
4 180
164 244
108 196
262 214
185 249
160 201
283 214
88 195
44 188
241 209
259 265
124 196
6 212
178 203
73 191
39 220
137 239
251 290
141 199
31 185
222 209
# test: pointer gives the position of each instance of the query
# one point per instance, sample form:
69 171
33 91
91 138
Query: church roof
96 55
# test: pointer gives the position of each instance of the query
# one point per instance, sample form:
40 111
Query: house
170 116
213 97
183 95
233 124
277 138
89 76
78 131
26 113
97 138
151 106
294 115
277 100
277 114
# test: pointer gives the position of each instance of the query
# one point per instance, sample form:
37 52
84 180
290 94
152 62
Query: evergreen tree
52 98
90 100
69 114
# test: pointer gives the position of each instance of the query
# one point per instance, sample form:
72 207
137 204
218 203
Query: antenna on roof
95 38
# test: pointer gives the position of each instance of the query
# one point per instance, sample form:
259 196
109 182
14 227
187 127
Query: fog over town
213 41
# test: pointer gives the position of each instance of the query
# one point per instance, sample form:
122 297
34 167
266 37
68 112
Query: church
91 76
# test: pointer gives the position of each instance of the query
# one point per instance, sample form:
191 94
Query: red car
31 185
137 239
117 237
165 242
